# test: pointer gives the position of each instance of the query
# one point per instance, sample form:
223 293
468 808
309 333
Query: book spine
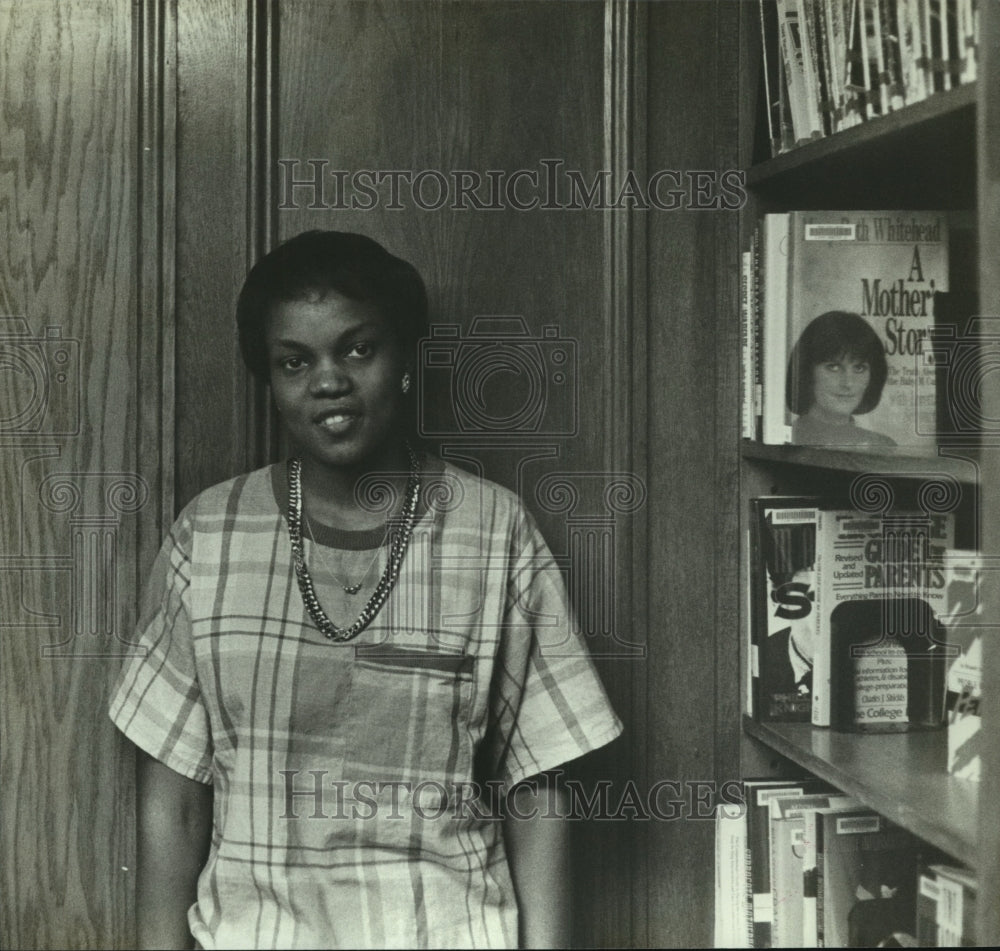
935 56
791 36
757 303
820 887
809 881
972 40
779 925
855 84
752 662
825 524
746 340
773 127
911 50
891 43
921 48
787 132
956 42
880 70
871 53
822 50
945 43
967 42
811 65
928 894
949 912
832 33
730 878
756 586
775 335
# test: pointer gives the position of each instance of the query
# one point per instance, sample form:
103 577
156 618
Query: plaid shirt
344 797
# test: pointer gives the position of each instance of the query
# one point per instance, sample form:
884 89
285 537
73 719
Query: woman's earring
406 383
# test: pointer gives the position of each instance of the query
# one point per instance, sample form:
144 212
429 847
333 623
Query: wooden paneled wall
693 399
73 489
141 154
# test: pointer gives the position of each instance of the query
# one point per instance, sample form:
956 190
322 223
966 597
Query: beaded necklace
387 582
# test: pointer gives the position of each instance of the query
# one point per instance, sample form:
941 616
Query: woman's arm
536 834
173 834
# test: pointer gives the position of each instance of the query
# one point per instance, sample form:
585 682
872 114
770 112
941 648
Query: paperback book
848 317
787 863
866 880
760 899
881 650
965 667
810 936
783 561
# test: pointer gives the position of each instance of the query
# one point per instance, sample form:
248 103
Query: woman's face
839 385
336 369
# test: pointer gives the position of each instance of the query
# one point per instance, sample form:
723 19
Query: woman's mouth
336 422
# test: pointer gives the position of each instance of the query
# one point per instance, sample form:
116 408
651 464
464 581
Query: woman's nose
329 380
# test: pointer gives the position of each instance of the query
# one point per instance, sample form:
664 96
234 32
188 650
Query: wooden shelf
862 167
903 776
960 463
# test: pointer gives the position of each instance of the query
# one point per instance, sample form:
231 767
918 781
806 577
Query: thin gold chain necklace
348 588
387 582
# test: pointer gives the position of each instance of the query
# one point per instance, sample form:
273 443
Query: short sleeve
549 705
157 701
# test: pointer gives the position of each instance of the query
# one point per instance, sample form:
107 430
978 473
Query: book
912 51
758 797
928 894
799 67
832 29
731 909
757 324
783 556
748 422
956 906
866 880
787 844
849 303
893 79
964 624
831 64
810 817
880 652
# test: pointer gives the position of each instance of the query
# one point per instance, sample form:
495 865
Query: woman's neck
356 498
820 415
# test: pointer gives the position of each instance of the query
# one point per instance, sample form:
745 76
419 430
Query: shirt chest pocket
409 717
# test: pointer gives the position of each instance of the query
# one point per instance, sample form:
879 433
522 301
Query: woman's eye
292 363
831 367
361 349
860 367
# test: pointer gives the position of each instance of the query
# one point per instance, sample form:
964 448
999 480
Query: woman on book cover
837 370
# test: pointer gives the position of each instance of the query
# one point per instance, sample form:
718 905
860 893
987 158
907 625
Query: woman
347 649
837 370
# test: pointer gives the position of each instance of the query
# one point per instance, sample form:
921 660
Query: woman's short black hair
832 336
318 262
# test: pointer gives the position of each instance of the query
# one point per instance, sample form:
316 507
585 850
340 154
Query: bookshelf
941 153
